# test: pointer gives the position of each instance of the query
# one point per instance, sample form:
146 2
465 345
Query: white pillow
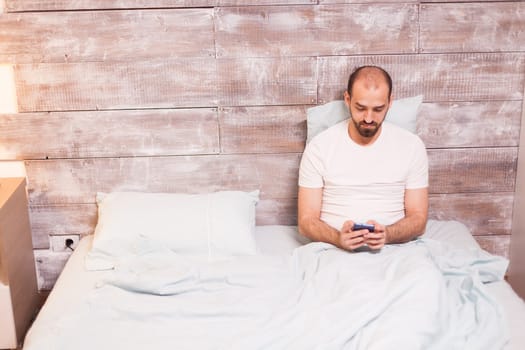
453 232
213 224
403 113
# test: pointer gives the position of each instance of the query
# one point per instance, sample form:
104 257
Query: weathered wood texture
78 180
407 1
276 129
260 81
470 27
267 81
57 5
63 219
472 170
204 95
49 264
470 124
439 77
498 245
160 83
118 35
54 5
123 133
483 213
324 30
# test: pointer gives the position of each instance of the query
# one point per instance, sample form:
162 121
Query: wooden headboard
205 95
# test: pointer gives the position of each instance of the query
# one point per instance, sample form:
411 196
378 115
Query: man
363 170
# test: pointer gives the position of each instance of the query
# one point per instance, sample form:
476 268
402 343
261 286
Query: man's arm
311 225
415 220
308 216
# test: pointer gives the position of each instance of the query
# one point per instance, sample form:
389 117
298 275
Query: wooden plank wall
203 95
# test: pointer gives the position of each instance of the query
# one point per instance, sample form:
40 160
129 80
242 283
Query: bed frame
193 96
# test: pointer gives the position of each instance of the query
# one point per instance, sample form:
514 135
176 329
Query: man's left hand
377 239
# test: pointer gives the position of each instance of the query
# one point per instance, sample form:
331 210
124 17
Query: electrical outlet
59 243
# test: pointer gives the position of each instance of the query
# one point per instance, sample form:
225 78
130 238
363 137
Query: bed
159 278
194 271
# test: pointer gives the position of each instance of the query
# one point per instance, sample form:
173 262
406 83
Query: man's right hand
351 240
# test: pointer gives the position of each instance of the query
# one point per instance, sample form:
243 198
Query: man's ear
347 99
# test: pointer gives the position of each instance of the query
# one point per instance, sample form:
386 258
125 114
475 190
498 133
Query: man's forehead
374 104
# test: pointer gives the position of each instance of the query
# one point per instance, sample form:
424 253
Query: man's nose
368 117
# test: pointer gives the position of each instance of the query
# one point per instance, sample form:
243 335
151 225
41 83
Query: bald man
364 170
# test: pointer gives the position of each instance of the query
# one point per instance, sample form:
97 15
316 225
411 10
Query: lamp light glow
8 100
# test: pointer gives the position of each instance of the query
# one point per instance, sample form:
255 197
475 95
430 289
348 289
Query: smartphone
368 227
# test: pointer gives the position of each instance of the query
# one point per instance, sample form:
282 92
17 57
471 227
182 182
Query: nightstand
18 285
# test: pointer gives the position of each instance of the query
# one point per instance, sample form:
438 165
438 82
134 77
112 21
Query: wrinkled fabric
420 295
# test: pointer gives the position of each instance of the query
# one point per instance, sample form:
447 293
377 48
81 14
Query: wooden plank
281 211
460 1
263 2
78 180
472 27
162 83
403 1
273 129
470 124
69 219
316 30
117 36
472 170
439 77
49 264
483 213
497 245
125 133
57 5
322 2
267 81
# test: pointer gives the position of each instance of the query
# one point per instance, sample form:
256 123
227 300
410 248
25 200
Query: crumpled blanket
423 294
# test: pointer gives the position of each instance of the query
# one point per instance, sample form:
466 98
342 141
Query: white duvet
420 295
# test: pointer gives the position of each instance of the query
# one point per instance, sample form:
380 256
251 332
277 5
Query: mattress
75 281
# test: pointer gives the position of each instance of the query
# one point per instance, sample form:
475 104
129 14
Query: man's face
368 106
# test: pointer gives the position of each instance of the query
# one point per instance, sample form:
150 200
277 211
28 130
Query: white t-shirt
363 183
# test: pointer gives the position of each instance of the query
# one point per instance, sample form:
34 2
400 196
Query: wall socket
58 242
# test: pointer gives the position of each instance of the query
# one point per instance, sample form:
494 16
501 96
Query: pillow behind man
403 113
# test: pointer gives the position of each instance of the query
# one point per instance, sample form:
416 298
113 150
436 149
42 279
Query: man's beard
366 129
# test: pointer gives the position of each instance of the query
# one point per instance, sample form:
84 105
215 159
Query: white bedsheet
421 295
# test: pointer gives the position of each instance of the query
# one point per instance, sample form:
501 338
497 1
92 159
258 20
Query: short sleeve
418 170
311 168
